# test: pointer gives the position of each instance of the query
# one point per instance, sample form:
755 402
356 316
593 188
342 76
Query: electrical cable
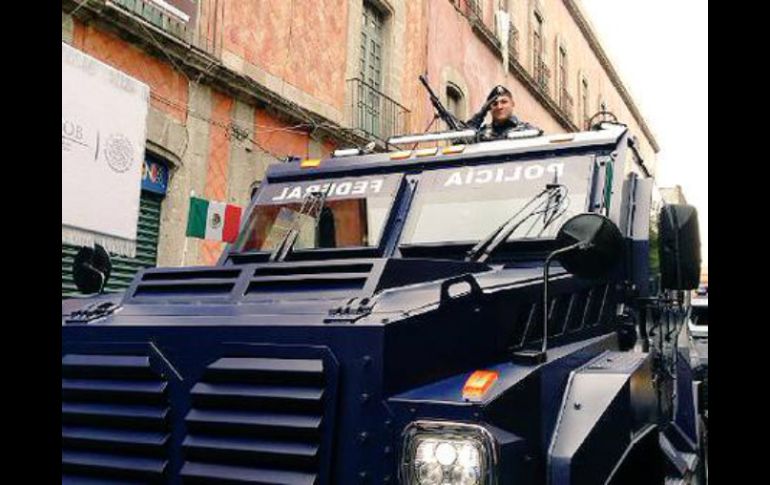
296 129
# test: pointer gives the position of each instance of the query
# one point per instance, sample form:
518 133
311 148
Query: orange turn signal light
479 383
310 163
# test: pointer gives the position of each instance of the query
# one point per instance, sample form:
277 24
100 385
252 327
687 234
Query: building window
372 111
455 101
565 100
513 32
586 115
371 47
538 53
370 71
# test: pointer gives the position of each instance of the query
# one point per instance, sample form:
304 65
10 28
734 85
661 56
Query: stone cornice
593 42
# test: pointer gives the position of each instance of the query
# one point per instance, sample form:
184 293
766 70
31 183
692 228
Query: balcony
169 19
566 103
374 113
542 74
513 41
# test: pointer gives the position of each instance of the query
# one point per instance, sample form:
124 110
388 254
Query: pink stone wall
217 170
301 42
280 137
415 55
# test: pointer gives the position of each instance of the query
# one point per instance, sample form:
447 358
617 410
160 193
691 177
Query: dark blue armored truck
381 320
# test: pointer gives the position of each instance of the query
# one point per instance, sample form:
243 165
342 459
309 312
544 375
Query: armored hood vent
200 283
308 280
347 278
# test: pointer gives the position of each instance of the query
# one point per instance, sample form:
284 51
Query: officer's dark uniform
497 131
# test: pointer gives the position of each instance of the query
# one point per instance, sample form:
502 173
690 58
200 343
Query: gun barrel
440 109
424 82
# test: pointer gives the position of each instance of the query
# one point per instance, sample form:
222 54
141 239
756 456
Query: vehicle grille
115 419
256 420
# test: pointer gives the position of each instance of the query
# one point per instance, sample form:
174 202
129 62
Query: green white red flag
215 221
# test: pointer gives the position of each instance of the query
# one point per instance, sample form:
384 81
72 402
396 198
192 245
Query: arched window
455 101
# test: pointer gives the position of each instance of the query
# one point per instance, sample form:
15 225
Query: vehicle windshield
700 316
466 204
353 214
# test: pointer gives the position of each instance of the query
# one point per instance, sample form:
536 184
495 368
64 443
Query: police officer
500 102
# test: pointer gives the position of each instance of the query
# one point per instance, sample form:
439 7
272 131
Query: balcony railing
374 113
566 102
513 41
173 23
542 74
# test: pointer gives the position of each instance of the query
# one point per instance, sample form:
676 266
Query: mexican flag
213 220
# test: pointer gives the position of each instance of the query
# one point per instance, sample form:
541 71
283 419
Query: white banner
104 122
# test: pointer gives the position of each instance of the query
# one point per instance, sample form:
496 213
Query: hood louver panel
114 419
200 283
256 420
250 283
309 278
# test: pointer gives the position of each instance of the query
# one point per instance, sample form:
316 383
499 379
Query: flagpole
186 238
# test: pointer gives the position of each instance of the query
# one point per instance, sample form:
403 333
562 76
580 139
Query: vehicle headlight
446 453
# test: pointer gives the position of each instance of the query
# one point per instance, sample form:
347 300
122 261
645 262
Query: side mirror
679 247
591 245
91 269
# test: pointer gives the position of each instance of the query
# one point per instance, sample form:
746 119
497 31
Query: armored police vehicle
445 313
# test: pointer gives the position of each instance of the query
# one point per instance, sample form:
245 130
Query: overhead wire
300 128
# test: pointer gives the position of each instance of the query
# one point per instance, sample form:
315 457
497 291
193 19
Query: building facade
236 85
673 195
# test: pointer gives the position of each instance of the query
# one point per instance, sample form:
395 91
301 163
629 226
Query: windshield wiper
312 205
552 204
